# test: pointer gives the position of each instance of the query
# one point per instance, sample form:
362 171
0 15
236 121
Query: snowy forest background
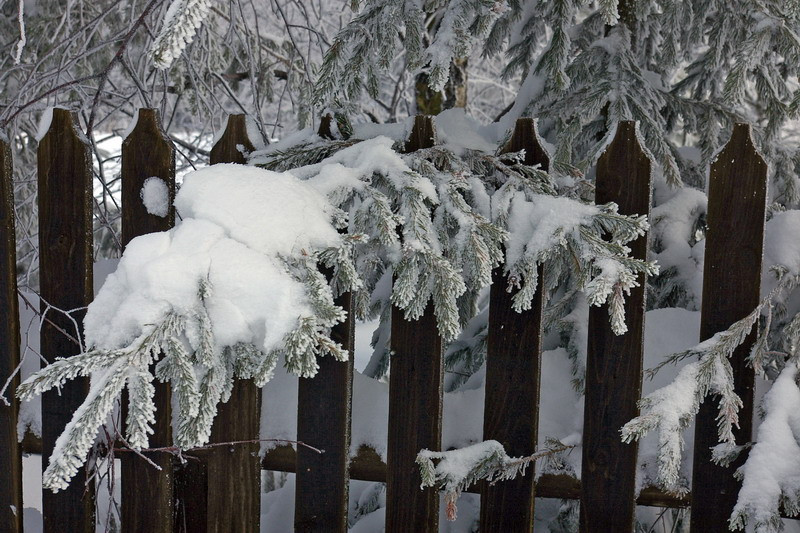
686 70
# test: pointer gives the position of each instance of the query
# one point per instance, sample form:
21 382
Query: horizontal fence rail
221 491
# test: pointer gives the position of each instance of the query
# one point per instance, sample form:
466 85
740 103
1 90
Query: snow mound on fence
237 224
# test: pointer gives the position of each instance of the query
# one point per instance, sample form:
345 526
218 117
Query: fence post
415 401
148 503
323 421
11 458
614 362
513 362
65 280
222 492
737 194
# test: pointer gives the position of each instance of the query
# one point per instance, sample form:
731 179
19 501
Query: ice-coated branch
456 470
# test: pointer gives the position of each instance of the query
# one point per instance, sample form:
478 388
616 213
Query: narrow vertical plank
65 279
737 194
221 493
614 363
147 152
415 402
513 363
11 458
323 421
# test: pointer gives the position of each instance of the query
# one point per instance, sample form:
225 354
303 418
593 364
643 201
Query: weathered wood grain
11 458
65 278
225 485
149 503
229 147
324 405
323 421
415 401
513 363
737 194
614 363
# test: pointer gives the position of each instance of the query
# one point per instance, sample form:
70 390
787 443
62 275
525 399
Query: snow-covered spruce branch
213 300
458 469
769 485
181 22
670 409
568 236
420 221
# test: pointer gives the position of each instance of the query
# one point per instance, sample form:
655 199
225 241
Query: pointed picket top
65 281
228 149
11 458
147 152
325 131
624 165
614 362
423 134
415 399
513 369
731 289
526 137
740 160
64 130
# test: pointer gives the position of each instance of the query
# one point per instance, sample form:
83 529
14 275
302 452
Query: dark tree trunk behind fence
222 492
65 274
148 504
614 362
11 456
323 421
415 402
513 362
737 195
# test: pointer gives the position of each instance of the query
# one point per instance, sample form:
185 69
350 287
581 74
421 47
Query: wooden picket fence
220 491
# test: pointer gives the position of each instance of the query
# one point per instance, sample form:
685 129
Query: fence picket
228 148
323 421
147 152
614 363
737 194
222 493
11 458
65 279
513 362
415 401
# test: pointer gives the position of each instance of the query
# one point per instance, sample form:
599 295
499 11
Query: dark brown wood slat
614 363
227 148
323 421
147 152
737 195
11 458
65 278
415 401
513 363
221 493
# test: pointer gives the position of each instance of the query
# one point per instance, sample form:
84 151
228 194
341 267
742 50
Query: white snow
766 479
237 223
537 225
155 196
44 123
